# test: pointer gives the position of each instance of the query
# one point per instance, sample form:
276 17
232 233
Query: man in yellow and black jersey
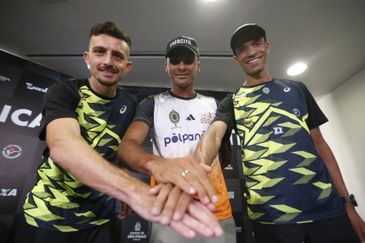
295 189
84 121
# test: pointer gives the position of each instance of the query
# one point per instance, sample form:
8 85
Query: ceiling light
296 69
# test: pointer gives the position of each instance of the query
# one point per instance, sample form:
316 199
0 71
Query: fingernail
214 199
208 232
191 234
177 216
219 231
192 190
165 220
155 211
206 200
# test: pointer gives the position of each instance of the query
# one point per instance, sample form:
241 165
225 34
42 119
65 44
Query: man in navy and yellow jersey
295 189
177 119
78 181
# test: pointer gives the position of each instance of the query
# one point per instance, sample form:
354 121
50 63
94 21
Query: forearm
134 155
209 145
330 162
91 169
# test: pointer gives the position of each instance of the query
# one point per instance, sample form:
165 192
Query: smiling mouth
254 60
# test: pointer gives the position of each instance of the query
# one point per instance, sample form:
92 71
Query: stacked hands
184 198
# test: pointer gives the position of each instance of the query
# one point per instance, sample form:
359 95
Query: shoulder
290 83
125 95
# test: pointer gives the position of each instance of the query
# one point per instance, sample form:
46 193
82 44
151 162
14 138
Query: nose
108 59
251 50
181 65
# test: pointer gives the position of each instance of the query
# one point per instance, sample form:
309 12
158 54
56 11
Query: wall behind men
345 133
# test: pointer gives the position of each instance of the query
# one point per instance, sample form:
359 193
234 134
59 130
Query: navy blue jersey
286 179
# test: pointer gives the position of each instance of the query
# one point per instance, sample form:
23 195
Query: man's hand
158 205
357 222
187 174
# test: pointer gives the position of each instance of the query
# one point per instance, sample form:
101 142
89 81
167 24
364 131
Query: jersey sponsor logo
20 117
6 192
182 138
190 118
266 90
207 118
123 109
278 130
174 117
296 112
31 86
12 151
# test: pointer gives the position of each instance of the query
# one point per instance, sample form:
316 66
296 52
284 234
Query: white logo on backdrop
5 192
31 86
12 151
4 79
20 117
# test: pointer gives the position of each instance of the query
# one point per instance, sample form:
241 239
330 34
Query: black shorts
335 230
22 232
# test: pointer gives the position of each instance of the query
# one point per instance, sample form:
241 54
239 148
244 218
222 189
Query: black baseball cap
185 42
246 32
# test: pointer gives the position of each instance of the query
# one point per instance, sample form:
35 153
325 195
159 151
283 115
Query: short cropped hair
110 28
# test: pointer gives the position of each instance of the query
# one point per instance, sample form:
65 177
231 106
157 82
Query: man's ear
235 59
86 58
129 66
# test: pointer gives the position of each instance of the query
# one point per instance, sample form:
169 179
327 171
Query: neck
262 77
183 92
103 90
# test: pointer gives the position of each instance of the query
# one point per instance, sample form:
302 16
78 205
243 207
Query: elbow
58 151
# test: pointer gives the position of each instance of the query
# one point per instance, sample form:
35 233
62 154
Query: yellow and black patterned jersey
286 179
58 201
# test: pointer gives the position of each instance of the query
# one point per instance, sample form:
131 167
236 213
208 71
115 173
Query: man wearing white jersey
178 118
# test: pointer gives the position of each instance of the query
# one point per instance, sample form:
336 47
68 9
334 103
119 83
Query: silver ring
184 173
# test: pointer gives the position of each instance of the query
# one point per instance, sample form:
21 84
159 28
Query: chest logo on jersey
266 90
182 138
174 117
296 112
123 109
207 118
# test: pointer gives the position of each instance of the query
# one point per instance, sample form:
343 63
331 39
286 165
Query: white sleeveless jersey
180 123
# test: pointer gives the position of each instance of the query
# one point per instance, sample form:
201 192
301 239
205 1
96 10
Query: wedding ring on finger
184 173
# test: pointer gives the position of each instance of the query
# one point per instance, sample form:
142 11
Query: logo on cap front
180 41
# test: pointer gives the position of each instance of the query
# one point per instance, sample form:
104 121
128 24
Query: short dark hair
110 28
